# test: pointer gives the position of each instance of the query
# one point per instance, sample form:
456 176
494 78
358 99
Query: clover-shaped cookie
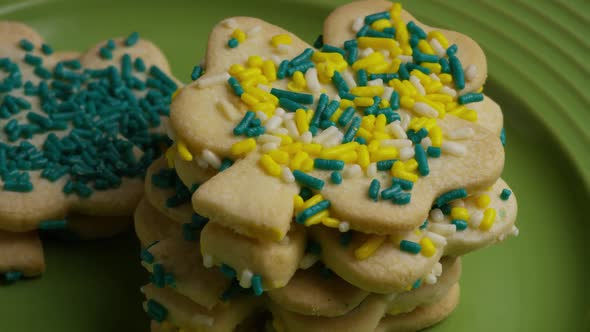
78 133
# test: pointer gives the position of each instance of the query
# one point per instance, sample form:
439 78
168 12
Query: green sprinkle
403 183
452 50
308 180
243 125
451 196
471 97
26 45
385 165
132 39
302 58
33 60
410 246
459 224
424 224
319 42
110 44
302 98
313 247
157 277
302 216
196 73
346 116
374 190
420 156
47 225
13 276
457 72
146 256
156 311
330 109
46 49
360 140
282 70
290 105
369 19
505 194
336 177
433 151
236 86
225 164
105 53
402 198
326 164
503 136
305 193
417 284
232 43
257 285
139 65
352 129
227 271
391 192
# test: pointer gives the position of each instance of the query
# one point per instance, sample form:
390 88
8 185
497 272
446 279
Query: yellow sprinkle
331 222
269 70
285 139
270 166
411 165
379 135
435 34
315 199
489 216
298 159
334 152
464 113
336 115
364 133
298 203
378 68
235 69
279 39
411 88
281 157
403 89
170 155
377 43
368 122
374 146
249 73
325 56
381 24
243 147
380 122
384 103
371 59
417 232
367 91
263 95
395 64
316 218
425 47
292 148
460 213
395 11
483 201
298 82
345 103
175 93
255 61
183 151
406 102
445 78
369 247
239 35
363 101
433 87
313 149
266 108
439 97
428 248
301 121
307 165
363 156
398 171
384 154
433 66
480 90
348 157
249 99
436 136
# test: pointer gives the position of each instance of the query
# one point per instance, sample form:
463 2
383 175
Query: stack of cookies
78 133
324 188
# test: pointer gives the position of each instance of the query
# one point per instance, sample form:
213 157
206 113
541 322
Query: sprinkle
457 71
417 284
47 225
325 164
503 136
270 166
46 49
470 98
26 45
156 311
235 85
352 171
208 81
13 276
489 217
105 53
246 278
459 224
196 73
404 184
505 194
336 177
410 247
257 285
232 43
352 129
368 248
227 271
308 180
243 147
146 256
304 215
453 148
451 196
425 110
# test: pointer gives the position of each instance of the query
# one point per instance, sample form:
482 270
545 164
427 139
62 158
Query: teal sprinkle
505 194
340 83
196 73
13 276
424 224
391 192
385 165
33 60
169 280
243 125
319 42
227 271
305 193
46 49
369 19
156 311
416 30
42 72
403 72
290 105
461 225
446 209
378 34
457 72
345 238
301 58
325 124
157 277
225 164
410 247
146 256
330 109
402 198
404 184
302 216
362 77
417 284
257 285
47 225
236 86
105 53
110 44
360 140
422 160
317 115
352 129
451 196
282 70
313 247
336 177
132 39
232 43
363 31
433 151
139 65
308 180
26 45
374 190
420 57
302 98
444 65
333 49
452 50
471 97
503 136
302 67
326 164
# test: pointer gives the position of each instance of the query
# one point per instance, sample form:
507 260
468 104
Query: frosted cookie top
378 124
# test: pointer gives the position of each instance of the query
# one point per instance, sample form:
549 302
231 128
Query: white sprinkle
207 81
426 142
405 58
461 133
264 87
434 77
336 139
284 48
405 121
228 110
385 53
397 143
458 203
246 278
437 269
308 261
280 112
453 148
470 72
448 91
514 231
266 138
276 59
262 116
287 175
418 85
366 52
387 92
436 215
397 129
438 49
344 226
406 153
443 229
430 279
425 110
375 82
230 23
200 319
202 163
352 171
292 128
390 297
306 137
289 116
438 240
208 261
311 77
358 23
273 123
349 79
280 131
211 158
372 170
254 31
270 146
169 131
325 135
337 97
475 219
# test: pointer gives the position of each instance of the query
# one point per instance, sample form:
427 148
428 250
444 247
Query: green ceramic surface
537 55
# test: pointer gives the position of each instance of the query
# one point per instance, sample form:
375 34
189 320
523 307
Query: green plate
537 72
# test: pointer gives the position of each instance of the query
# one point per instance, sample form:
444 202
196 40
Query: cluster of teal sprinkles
12 276
93 122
